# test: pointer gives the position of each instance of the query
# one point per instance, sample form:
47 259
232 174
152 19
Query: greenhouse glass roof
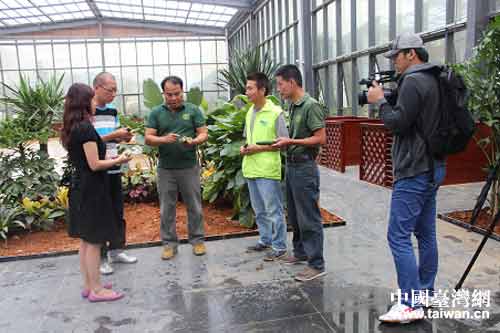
214 13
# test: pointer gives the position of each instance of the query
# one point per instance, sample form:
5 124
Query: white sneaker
429 302
121 257
106 268
402 314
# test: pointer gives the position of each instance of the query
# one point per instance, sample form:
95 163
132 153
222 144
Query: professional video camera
381 77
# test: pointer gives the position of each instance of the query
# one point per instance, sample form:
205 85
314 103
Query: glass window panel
382 63
346 26
180 71
94 54
118 102
45 75
284 49
363 72
78 55
459 43
29 75
128 54
118 77
160 52
332 31
112 54
131 105
145 72
80 76
210 77
319 45
210 96
219 76
362 24
93 71
495 5
8 56
382 22
460 10
176 51
193 55
66 82
129 80
436 51
434 14
332 69
293 57
160 72
26 56
44 56
10 78
144 53
405 17
193 76
221 51
208 51
347 71
321 84
275 16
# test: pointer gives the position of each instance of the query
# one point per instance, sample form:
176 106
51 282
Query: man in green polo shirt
307 133
176 127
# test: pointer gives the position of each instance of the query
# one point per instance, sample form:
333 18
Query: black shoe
258 247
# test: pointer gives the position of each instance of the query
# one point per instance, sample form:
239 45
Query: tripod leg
478 251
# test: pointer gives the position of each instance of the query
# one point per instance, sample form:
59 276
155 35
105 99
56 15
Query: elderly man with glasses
107 125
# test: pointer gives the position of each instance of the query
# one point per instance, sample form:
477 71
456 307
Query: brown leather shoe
168 252
199 249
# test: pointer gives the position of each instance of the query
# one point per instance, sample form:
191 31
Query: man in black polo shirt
307 133
176 127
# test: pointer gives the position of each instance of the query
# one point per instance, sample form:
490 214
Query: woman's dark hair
77 108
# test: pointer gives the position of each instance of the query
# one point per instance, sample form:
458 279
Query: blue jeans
413 210
267 203
302 191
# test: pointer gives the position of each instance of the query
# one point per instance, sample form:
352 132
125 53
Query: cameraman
413 202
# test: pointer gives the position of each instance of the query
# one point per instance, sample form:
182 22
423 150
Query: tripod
475 213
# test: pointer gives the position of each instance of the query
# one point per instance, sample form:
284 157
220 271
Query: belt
298 158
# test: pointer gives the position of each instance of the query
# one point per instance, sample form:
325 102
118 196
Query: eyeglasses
111 91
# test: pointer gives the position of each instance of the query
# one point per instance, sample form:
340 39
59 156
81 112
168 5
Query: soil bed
462 218
143 226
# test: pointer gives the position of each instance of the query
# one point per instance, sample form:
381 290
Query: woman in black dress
91 216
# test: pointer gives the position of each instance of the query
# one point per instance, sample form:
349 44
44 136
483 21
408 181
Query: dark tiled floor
230 290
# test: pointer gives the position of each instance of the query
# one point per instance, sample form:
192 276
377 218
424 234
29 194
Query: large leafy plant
243 63
10 217
222 176
30 176
37 105
481 74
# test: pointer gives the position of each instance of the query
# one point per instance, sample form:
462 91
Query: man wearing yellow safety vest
262 166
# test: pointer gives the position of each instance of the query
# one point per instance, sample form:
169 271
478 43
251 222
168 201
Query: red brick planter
376 162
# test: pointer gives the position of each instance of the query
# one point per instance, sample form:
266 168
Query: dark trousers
302 190
117 242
